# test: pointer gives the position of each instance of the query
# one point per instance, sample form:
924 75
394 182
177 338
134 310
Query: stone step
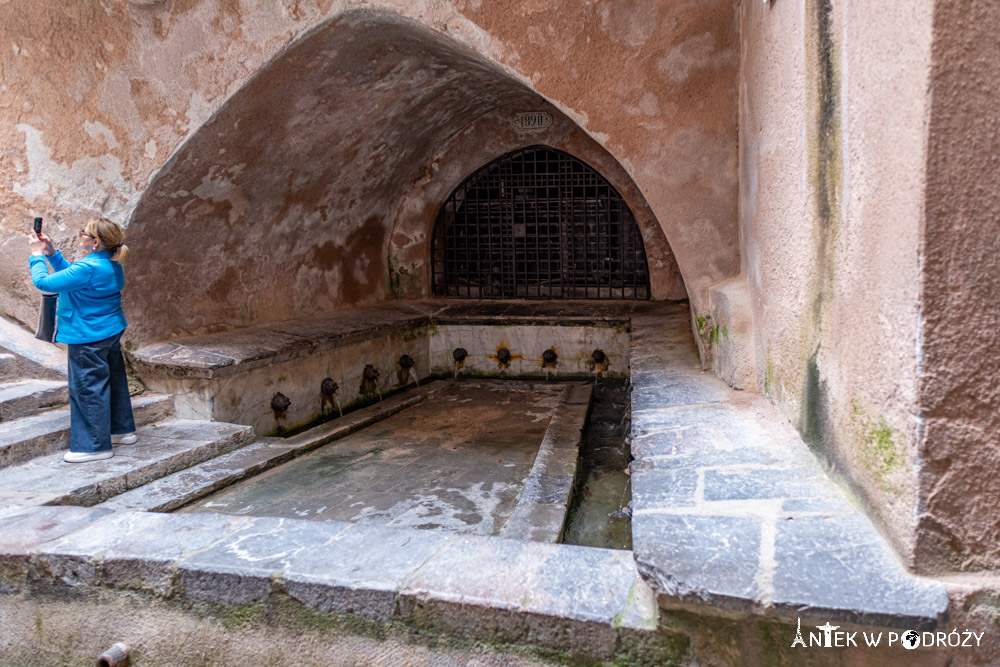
27 397
32 357
8 367
180 488
163 448
37 435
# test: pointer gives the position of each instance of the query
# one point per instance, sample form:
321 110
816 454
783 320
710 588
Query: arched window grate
539 224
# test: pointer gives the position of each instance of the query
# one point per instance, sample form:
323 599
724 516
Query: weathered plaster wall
959 484
294 181
89 122
656 84
833 146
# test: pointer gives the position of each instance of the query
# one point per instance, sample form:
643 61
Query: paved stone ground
731 509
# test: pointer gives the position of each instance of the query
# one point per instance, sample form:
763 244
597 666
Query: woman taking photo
90 321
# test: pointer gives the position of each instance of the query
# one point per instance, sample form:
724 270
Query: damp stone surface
458 462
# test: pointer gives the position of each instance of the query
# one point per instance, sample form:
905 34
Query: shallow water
602 488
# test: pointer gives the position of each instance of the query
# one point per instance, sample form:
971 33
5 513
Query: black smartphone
38 226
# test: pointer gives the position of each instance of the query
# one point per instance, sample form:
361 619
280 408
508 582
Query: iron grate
537 223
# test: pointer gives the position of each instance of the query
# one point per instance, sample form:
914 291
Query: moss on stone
411 335
703 323
401 280
717 333
878 444
234 618
768 377
815 402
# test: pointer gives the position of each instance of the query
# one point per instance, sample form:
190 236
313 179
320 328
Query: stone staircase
34 434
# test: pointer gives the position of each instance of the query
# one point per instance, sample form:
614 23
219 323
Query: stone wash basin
733 517
474 458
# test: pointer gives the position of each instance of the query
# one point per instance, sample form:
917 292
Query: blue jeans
99 404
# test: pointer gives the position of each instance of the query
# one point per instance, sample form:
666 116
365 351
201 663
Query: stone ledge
732 510
541 510
27 397
31 357
221 354
480 587
163 448
36 435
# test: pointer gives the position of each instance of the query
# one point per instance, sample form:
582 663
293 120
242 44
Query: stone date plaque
532 120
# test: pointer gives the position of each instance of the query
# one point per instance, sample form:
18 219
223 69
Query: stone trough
734 520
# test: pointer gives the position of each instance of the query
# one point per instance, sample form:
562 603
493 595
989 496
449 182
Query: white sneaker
83 457
124 439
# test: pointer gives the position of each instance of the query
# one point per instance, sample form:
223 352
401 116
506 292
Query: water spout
550 362
279 405
503 359
369 381
413 374
459 354
328 389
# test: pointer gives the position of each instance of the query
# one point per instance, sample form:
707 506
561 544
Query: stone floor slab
360 570
700 559
239 569
841 566
767 483
663 489
696 389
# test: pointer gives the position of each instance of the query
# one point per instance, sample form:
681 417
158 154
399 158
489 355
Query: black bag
47 318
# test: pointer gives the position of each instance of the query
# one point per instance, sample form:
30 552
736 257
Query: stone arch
488 138
252 221
537 223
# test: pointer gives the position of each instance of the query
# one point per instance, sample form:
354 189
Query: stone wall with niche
489 137
259 152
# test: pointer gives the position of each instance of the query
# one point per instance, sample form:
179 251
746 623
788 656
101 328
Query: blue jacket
90 295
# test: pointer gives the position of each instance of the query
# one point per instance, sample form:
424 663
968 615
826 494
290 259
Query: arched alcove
282 205
537 223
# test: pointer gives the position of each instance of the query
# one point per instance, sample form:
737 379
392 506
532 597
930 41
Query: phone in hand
38 226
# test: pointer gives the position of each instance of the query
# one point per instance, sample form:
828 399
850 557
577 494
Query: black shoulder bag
47 318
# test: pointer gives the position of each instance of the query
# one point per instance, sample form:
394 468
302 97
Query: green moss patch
880 453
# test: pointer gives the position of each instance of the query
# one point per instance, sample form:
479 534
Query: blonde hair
111 235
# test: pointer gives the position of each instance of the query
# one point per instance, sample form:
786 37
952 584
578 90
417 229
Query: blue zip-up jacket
90 295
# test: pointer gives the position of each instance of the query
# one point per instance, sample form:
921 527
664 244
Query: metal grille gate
538 223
